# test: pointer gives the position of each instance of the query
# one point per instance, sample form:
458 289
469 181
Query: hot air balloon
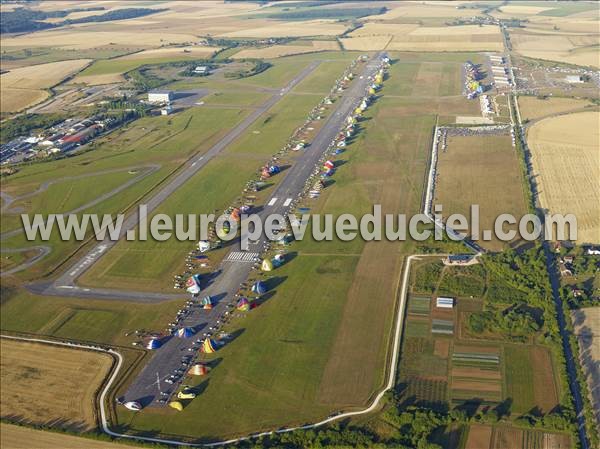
185 332
243 305
199 370
176 405
133 405
153 343
203 246
267 265
259 288
208 346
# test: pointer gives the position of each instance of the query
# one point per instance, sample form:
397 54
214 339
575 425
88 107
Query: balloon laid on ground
267 265
199 370
176 405
208 346
185 332
133 405
259 288
278 260
193 284
243 305
153 343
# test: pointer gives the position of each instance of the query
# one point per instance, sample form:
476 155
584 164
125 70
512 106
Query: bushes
426 277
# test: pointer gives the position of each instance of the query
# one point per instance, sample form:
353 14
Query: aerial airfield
254 109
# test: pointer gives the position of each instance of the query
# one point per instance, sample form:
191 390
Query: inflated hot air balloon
243 305
203 246
245 209
274 169
235 214
207 300
267 265
208 346
259 288
329 164
199 370
265 173
176 405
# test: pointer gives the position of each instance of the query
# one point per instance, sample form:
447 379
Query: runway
150 386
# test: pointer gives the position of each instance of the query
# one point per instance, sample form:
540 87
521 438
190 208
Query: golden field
366 43
192 52
277 51
24 86
17 437
409 37
533 108
52 385
295 29
566 162
573 49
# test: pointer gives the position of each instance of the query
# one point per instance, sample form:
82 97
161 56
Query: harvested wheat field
383 29
366 43
24 86
277 51
170 52
533 108
51 385
566 163
296 29
587 329
16 437
573 49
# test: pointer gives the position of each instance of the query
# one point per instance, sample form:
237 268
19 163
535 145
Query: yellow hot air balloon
267 265
176 405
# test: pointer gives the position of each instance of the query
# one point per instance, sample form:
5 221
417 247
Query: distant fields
505 437
51 385
486 172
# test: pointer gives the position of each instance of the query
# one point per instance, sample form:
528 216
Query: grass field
485 169
567 165
16 437
165 141
50 385
534 108
23 87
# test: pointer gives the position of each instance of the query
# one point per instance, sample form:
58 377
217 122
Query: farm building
444 302
458 259
159 96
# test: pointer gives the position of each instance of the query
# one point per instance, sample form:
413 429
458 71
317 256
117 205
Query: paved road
65 284
149 385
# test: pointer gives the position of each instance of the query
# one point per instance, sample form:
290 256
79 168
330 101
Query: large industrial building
160 96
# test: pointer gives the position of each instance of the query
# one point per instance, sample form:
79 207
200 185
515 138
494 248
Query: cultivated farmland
535 108
567 164
24 86
45 384
17 437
